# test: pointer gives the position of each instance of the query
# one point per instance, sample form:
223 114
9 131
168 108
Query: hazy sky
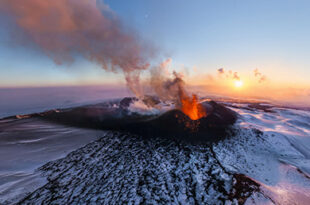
200 36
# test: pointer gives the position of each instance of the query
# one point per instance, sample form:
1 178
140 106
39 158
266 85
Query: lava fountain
192 108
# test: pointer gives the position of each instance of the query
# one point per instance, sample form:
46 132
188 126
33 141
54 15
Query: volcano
172 123
241 154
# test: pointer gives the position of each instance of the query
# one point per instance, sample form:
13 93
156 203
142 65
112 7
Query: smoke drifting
261 78
165 86
67 29
169 87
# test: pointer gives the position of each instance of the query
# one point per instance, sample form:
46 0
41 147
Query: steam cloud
173 89
261 78
165 86
65 29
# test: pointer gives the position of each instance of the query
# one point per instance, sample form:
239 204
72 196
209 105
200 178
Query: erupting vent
192 108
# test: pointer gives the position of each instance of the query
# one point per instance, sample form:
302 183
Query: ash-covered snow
265 159
126 169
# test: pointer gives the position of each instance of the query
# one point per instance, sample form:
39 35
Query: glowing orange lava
192 108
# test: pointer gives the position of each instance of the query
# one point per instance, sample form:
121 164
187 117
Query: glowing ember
192 108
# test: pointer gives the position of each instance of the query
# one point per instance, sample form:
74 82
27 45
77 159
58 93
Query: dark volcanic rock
127 169
150 100
173 123
243 187
125 102
220 116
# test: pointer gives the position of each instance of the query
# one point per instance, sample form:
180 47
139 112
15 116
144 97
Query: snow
140 107
28 144
282 148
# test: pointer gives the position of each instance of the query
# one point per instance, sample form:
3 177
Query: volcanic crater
172 123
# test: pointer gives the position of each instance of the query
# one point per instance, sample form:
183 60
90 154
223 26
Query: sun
238 83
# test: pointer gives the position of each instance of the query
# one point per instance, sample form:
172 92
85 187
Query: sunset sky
200 37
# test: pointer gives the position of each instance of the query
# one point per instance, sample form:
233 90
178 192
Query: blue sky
273 36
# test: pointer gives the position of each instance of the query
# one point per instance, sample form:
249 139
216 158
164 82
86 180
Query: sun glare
238 83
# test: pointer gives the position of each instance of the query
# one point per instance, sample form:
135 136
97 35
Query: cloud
261 78
221 70
236 76
228 74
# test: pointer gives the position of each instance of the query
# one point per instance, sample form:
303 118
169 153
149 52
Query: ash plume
67 29
173 89
165 85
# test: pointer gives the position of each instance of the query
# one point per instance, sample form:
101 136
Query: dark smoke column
65 29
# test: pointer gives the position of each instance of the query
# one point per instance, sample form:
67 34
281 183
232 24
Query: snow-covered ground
27 144
265 160
279 159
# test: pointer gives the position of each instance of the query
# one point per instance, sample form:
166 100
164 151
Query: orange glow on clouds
249 87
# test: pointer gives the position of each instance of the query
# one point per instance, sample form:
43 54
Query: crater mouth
172 123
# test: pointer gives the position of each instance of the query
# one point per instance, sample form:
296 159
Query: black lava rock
172 124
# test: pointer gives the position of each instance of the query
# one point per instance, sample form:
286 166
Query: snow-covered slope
27 144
